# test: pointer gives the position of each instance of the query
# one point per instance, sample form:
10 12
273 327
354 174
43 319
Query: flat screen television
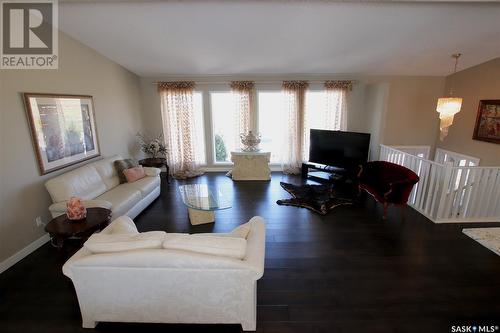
339 149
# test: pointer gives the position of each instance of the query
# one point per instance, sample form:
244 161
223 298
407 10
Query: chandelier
448 107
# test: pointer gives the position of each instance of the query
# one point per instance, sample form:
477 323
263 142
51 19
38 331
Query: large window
272 123
223 120
272 120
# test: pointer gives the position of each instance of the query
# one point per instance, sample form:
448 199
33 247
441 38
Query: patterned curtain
179 128
336 104
294 95
243 93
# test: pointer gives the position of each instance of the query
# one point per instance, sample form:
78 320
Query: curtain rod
256 81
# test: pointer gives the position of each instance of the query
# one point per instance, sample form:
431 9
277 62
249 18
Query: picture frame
63 129
487 126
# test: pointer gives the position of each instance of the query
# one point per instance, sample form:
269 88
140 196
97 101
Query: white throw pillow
99 243
232 247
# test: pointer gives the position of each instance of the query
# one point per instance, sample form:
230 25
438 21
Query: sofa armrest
67 267
122 224
256 246
59 208
151 172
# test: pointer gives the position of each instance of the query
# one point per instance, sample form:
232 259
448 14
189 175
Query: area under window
223 120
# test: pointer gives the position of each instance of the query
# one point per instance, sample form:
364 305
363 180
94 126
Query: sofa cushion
232 247
84 182
121 165
145 185
134 174
107 171
123 198
106 243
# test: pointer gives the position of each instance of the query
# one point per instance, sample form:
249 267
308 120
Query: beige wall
376 107
117 111
473 84
411 117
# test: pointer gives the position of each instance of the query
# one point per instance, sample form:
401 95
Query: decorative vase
75 210
250 141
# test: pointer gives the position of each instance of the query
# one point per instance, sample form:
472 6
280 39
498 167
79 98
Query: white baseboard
20 255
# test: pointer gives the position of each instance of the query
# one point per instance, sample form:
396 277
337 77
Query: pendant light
448 107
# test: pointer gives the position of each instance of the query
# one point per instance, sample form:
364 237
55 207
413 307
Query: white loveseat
162 285
98 185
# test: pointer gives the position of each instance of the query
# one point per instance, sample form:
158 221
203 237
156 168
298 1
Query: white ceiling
285 37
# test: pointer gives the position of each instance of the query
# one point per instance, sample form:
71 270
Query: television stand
323 172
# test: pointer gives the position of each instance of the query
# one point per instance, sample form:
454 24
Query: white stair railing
450 193
420 151
442 156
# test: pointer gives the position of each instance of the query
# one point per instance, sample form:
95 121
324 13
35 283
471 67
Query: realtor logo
29 34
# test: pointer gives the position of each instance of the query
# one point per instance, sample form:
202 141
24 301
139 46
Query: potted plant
153 147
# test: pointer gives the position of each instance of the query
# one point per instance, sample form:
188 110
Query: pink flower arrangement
75 209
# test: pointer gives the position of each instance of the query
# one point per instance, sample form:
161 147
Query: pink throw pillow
134 174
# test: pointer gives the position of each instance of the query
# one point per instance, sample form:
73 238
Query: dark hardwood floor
349 271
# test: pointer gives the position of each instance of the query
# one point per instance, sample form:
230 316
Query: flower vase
75 210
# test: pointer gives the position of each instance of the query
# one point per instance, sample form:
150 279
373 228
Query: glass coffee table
202 201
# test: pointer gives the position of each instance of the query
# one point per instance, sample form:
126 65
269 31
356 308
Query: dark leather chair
387 182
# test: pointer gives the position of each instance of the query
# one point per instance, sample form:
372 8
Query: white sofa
169 286
97 184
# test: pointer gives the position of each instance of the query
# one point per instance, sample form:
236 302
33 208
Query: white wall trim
20 255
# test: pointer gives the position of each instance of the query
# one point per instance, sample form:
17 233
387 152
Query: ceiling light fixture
448 107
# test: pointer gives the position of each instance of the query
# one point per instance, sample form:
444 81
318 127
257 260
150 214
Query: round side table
61 228
157 162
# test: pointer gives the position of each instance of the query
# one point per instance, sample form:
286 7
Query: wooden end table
157 162
61 228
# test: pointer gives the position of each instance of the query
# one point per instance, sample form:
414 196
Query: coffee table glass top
203 197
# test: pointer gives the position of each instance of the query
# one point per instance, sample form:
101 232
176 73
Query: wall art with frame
63 129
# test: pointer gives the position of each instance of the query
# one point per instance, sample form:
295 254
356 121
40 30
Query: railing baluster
469 184
476 192
460 193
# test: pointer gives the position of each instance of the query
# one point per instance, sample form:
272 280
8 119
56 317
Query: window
321 112
272 123
223 120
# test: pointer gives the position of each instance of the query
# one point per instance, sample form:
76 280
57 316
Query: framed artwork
488 121
63 129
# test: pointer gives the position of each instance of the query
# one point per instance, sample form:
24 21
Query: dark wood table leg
57 241
168 173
